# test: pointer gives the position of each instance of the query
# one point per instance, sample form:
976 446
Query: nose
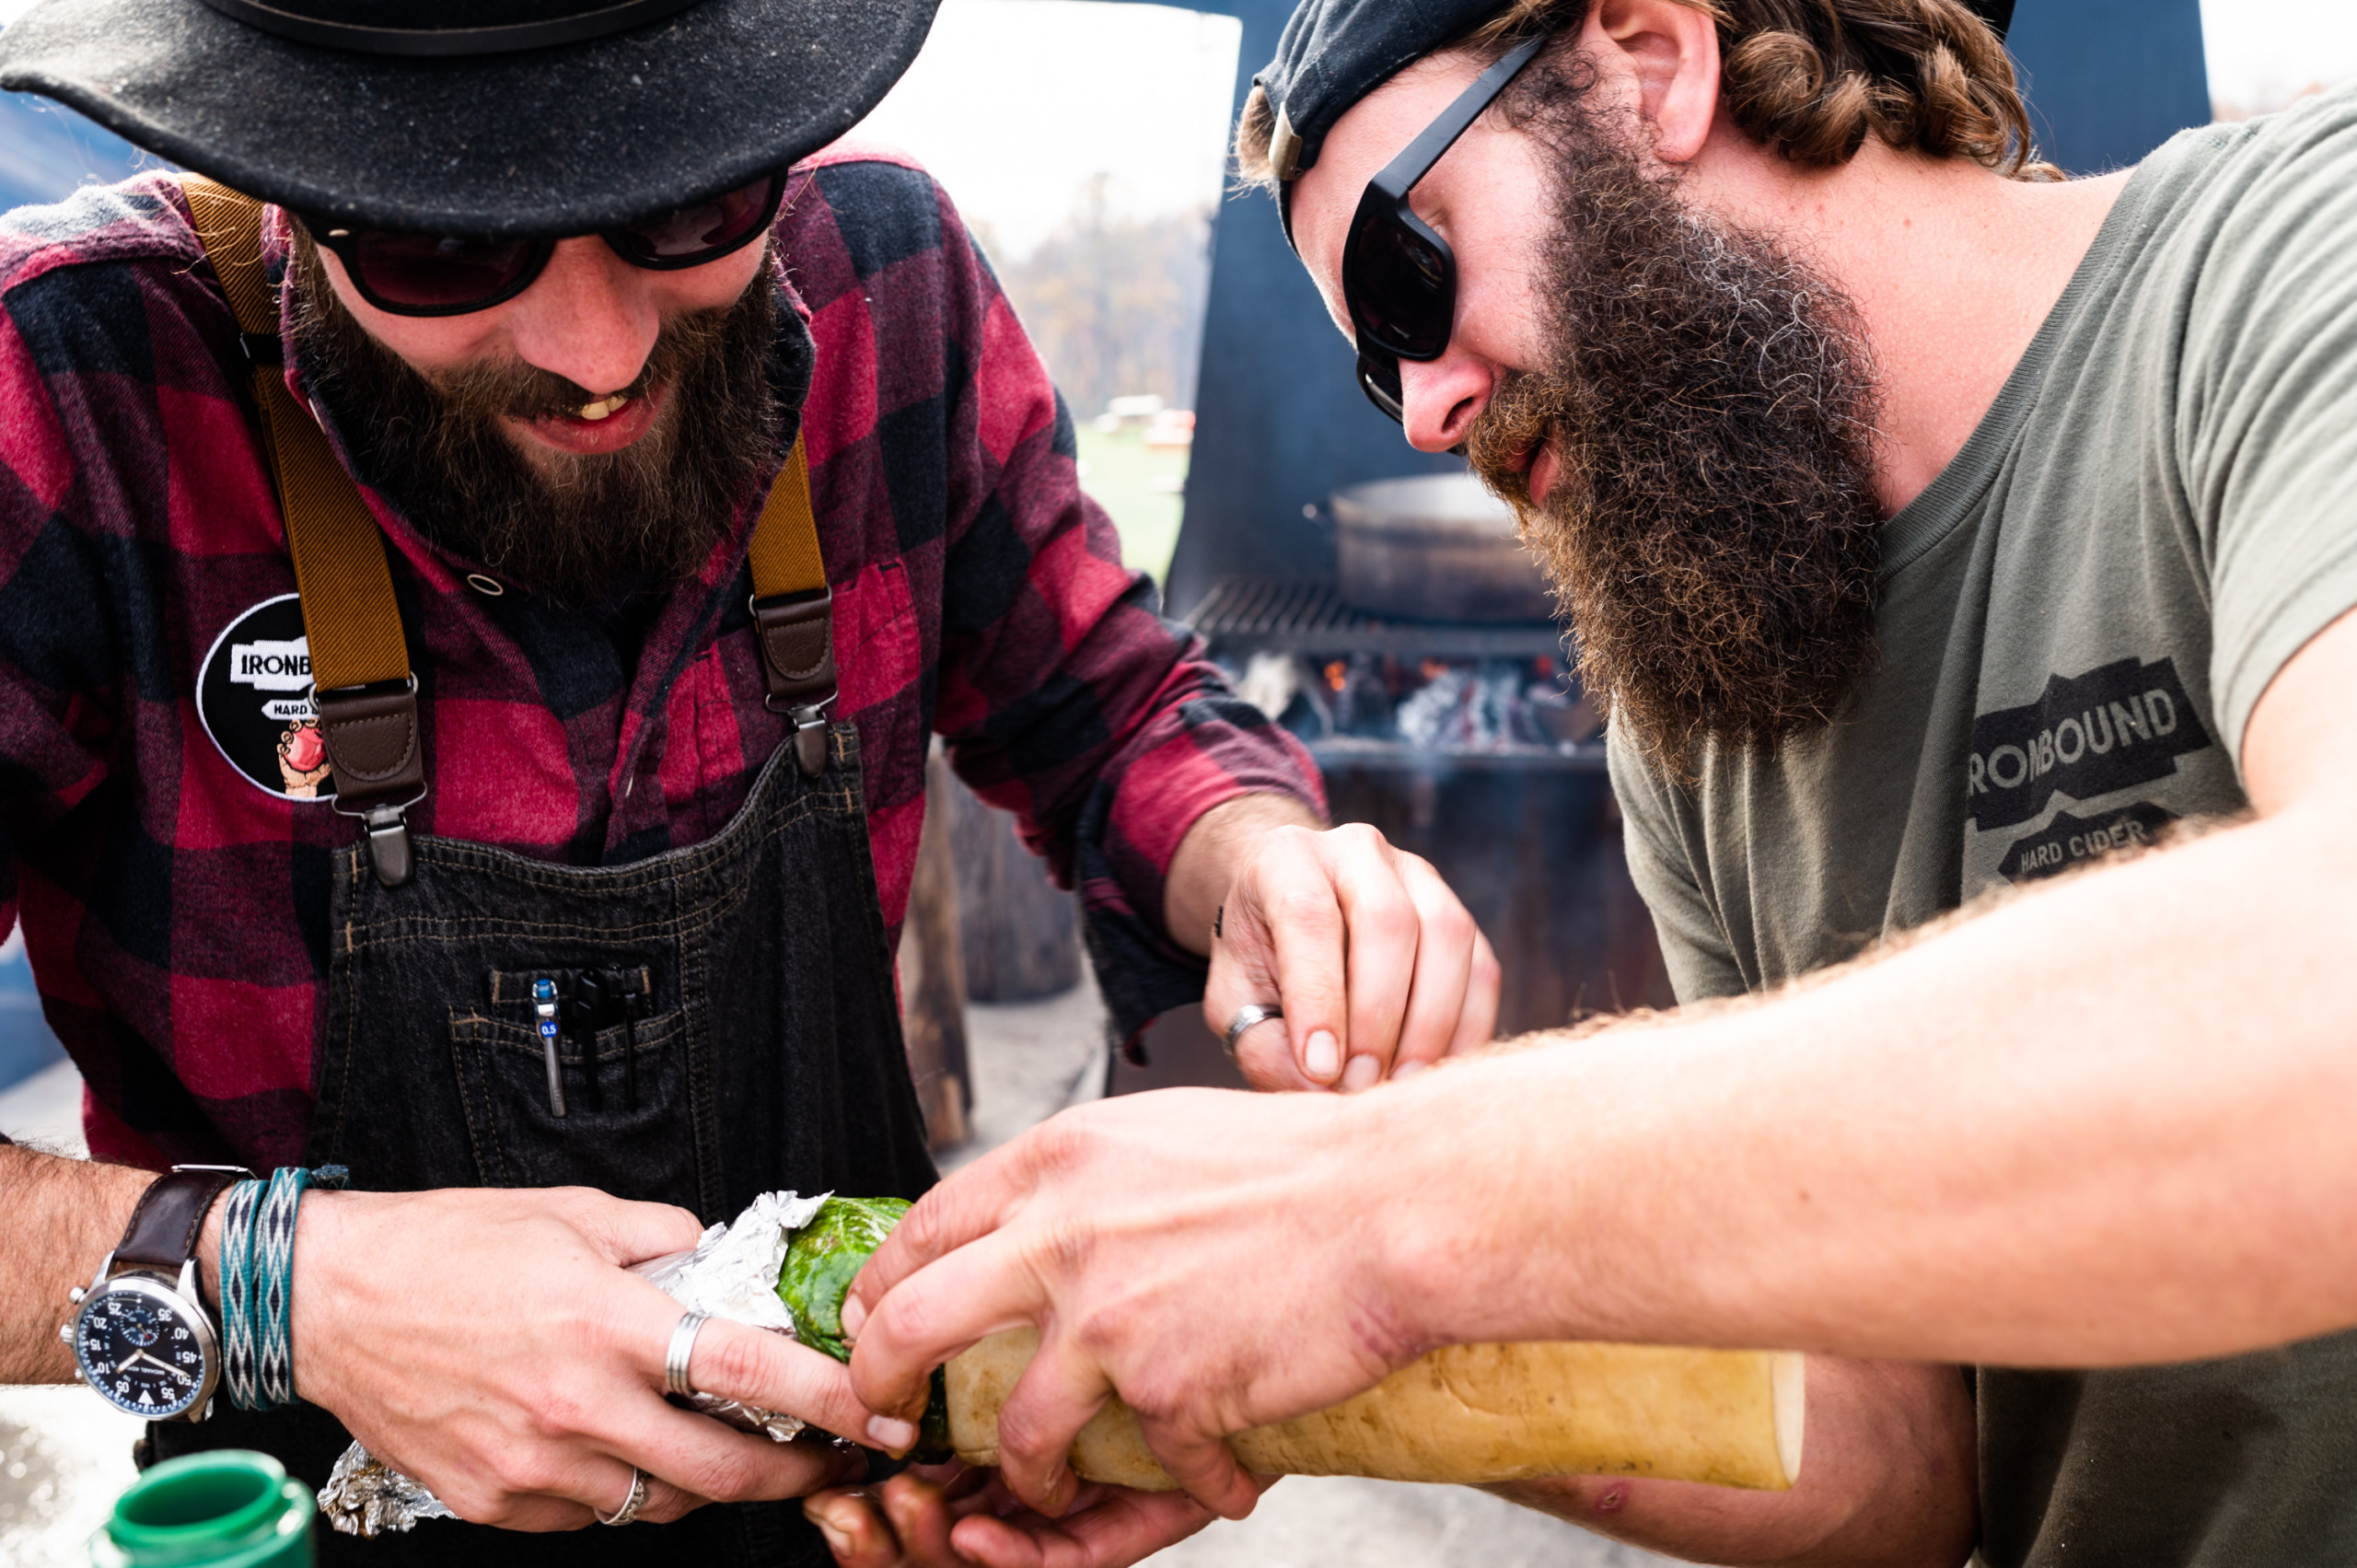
1441 400
590 317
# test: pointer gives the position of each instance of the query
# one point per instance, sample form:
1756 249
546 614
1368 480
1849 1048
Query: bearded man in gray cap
479 576
1931 526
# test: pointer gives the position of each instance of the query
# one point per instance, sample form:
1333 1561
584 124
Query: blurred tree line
1114 303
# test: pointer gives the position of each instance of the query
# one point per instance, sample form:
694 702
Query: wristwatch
142 1337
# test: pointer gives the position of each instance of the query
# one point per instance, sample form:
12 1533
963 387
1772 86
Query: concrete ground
63 1455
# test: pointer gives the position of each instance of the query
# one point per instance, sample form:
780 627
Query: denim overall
765 1052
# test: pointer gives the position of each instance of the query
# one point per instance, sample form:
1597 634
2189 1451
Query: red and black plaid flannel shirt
175 913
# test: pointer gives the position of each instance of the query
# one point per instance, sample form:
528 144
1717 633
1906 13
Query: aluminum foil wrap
730 1273
364 1496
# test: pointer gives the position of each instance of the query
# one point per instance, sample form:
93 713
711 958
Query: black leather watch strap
164 1228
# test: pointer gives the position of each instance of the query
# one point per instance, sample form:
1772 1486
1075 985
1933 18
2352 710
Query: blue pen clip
544 1009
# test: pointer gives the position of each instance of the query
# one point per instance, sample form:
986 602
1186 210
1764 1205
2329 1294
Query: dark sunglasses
424 274
1399 278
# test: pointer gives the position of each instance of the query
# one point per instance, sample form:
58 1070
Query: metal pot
1438 547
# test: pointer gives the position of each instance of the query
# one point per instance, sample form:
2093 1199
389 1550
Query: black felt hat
1334 52
475 117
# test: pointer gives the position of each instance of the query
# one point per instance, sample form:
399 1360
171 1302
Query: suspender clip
810 737
372 740
797 643
389 844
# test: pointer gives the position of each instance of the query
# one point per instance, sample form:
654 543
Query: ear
1671 49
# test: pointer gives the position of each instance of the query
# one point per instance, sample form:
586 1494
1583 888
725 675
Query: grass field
1120 473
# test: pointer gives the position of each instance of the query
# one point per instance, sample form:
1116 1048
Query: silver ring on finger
631 1504
675 1358
1248 1015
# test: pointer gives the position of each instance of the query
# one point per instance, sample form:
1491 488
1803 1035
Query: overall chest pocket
611 1099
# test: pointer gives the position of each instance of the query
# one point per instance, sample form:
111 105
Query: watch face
140 1346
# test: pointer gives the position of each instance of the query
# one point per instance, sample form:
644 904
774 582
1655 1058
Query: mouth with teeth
602 425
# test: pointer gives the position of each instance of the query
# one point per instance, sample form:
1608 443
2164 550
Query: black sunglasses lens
1401 290
686 236
420 272
1379 380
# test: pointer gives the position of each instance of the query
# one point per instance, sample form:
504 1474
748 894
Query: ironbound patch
254 697
2115 726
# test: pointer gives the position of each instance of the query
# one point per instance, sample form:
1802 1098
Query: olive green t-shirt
2075 622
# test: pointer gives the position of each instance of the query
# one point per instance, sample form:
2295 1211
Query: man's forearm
1211 854
2103 1123
63 1215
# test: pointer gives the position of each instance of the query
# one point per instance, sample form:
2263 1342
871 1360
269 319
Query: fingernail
854 1316
1063 1487
1361 1074
1322 1057
1408 1070
894 1437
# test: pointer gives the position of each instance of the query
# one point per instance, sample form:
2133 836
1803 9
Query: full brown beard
1712 531
581 529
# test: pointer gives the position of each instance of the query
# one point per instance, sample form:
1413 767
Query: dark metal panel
2109 80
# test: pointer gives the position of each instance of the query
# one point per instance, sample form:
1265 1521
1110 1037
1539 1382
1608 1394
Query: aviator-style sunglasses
1399 277
425 275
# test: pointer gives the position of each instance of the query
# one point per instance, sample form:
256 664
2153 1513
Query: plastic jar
232 1508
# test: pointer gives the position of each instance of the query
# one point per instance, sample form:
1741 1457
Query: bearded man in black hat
1932 525
477 586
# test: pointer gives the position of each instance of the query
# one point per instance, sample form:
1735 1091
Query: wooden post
1020 932
934 1021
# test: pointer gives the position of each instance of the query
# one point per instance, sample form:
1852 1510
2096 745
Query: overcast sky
2262 50
1016 103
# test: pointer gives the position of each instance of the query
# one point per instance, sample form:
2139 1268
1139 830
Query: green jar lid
232 1508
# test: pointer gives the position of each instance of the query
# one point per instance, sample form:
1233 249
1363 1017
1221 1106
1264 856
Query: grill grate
1246 615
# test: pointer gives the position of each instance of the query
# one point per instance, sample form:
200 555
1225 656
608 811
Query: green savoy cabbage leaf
821 1261
824 1258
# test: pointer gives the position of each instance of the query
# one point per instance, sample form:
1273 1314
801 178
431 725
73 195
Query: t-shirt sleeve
2268 410
1693 942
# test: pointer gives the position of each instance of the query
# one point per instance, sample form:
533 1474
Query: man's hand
1378 968
490 1345
951 1517
1122 1229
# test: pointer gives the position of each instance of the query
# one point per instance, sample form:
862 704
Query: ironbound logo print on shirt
2069 841
254 696
2115 726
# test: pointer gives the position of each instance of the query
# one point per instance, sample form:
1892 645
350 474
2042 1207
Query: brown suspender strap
794 610
361 684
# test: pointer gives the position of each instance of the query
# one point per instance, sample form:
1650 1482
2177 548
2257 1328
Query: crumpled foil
730 1273
364 1496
